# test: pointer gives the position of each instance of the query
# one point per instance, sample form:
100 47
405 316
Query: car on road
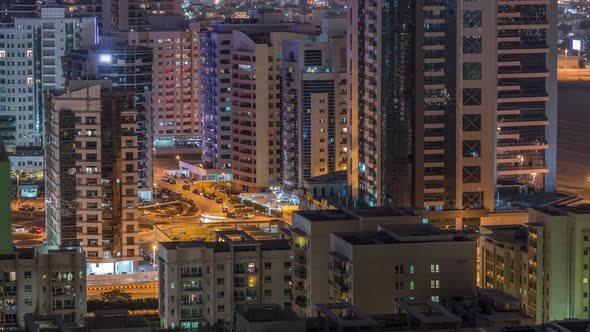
219 200
145 213
172 181
187 181
224 208
214 187
248 215
19 229
186 187
36 230
209 196
232 214
26 208
196 191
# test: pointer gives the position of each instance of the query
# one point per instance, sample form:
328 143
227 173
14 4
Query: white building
46 280
204 283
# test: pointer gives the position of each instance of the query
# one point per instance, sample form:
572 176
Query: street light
565 66
154 257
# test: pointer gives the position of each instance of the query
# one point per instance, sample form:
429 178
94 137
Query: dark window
471 97
472 200
471 122
471 44
471 18
313 57
472 71
471 174
471 149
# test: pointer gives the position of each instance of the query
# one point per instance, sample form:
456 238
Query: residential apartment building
30 63
91 154
314 105
129 68
372 269
544 263
216 83
176 83
205 283
44 280
310 236
256 108
461 107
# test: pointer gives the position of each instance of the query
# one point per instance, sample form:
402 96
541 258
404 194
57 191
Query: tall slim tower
453 103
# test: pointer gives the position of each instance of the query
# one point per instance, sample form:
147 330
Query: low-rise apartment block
205 283
543 263
310 235
45 280
401 262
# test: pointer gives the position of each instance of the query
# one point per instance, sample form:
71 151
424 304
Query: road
138 290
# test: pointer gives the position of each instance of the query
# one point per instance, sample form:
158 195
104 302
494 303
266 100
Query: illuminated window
434 283
411 284
29 53
29 80
434 268
411 269
435 298
2 54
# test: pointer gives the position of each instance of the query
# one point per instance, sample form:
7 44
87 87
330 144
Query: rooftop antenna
6 246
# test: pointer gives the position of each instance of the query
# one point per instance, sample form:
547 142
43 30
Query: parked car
196 191
219 200
36 230
215 187
232 214
164 178
248 215
145 213
171 181
224 208
186 187
19 229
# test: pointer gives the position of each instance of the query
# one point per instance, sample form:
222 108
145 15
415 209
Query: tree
115 295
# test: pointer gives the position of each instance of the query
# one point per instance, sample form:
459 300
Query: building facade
30 63
310 237
45 280
429 127
544 263
176 82
91 164
205 283
129 68
216 83
314 106
256 109
372 269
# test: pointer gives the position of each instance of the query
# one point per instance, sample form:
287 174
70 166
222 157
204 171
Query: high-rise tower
452 102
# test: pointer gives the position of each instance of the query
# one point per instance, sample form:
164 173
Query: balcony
518 170
522 121
511 146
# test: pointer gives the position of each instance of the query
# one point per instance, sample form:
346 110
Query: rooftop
514 234
267 313
339 176
226 246
355 214
404 233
